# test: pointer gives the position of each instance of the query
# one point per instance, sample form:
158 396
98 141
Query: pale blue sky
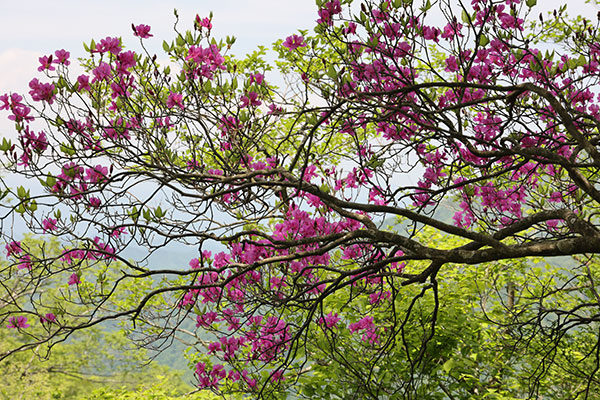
32 28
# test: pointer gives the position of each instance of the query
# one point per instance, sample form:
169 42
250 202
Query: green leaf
166 47
449 365
465 17
67 149
331 72
531 3
22 193
483 40
50 181
6 145
134 214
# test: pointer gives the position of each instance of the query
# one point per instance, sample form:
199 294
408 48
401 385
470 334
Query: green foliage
160 391
490 339
86 360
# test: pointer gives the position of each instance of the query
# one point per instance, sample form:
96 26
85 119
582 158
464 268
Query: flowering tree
306 203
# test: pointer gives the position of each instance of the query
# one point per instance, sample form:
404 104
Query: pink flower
351 29
330 320
118 231
49 224
206 320
552 224
95 202
84 82
62 57
41 91
101 72
96 174
20 112
125 60
25 262
293 42
451 29
49 318
329 9
251 100
74 279
17 322
257 78
13 248
194 263
204 22
370 330
556 197
46 64
278 376
175 99
275 109
5 102
142 31
451 64
431 33
108 44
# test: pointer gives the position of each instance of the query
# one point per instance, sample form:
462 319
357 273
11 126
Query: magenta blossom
5 102
293 42
13 248
49 318
204 22
102 72
46 64
275 109
41 91
17 322
95 202
175 99
330 9
62 57
118 231
49 224
142 31
74 279
25 262
257 78
330 320
108 44
84 82
251 100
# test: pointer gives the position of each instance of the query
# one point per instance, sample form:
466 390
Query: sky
32 28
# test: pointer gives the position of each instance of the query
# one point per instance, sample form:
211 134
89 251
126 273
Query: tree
83 361
301 201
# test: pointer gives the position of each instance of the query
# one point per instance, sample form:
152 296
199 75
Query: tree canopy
382 223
